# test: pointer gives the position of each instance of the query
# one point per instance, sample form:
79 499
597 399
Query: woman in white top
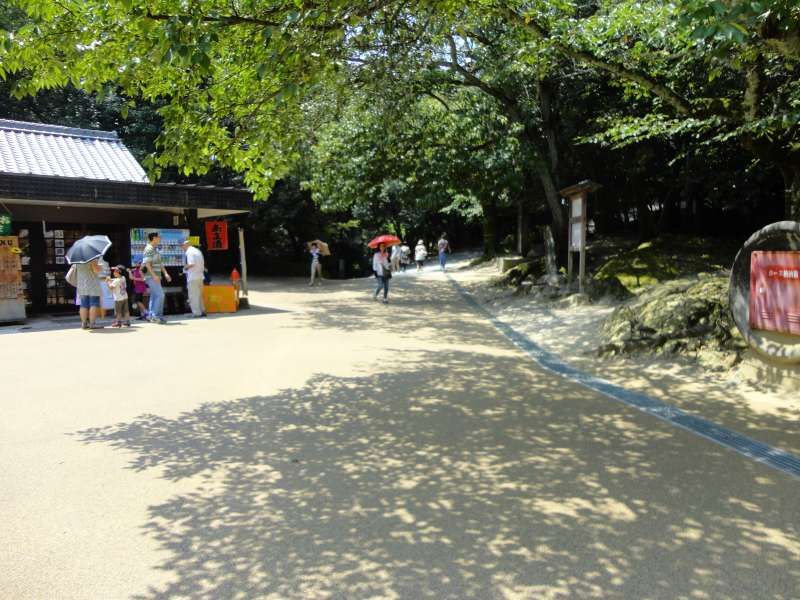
420 254
380 265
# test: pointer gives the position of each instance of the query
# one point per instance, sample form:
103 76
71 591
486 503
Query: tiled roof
37 149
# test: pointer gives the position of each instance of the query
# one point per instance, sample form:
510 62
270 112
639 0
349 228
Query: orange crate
220 298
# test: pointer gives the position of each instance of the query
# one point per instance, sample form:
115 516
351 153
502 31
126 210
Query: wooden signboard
217 235
10 269
12 297
577 195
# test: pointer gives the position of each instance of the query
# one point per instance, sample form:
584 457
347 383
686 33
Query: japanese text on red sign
783 273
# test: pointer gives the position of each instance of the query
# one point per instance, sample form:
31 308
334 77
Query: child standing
139 291
119 288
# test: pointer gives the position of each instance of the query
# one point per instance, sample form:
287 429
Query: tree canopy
389 108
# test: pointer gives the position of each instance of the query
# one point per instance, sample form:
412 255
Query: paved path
332 447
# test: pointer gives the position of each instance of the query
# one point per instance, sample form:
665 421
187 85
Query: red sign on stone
775 291
217 235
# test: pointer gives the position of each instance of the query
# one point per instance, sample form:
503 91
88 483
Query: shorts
121 310
90 301
137 297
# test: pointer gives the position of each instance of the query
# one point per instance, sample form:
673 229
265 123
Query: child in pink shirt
139 291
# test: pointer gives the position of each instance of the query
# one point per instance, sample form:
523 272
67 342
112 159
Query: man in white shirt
194 269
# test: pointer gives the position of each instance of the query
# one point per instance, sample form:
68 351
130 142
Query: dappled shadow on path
475 478
418 307
763 412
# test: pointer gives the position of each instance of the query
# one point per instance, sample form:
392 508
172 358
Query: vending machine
170 247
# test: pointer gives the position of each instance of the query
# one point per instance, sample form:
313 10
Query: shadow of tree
471 478
572 335
408 315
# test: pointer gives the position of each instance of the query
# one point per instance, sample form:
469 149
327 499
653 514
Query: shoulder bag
72 276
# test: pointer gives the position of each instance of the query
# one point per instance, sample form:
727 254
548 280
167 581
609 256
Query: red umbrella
387 240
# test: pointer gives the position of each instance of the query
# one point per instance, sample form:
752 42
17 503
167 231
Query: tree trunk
550 260
489 229
549 125
559 225
644 216
523 228
791 194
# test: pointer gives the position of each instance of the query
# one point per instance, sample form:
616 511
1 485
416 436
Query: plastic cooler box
220 298
775 291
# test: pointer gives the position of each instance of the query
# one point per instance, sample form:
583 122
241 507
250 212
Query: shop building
58 184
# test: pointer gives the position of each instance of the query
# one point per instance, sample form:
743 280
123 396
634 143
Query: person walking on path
195 272
444 249
316 265
154 270
420 254
395 259
405 257
119 288
88 292
139 291
382 269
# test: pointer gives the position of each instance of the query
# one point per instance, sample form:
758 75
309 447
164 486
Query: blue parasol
88 248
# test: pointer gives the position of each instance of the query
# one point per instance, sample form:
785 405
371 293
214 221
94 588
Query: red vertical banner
217 235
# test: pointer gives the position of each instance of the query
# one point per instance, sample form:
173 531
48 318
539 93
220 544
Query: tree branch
225 20
439 99
753 92
668 95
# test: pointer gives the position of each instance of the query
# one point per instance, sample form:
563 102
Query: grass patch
667 258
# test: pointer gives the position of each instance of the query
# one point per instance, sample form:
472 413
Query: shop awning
43 189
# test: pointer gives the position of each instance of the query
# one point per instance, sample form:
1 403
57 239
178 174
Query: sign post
243 260
577 196
765 292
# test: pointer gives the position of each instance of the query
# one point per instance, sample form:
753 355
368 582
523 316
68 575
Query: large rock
609 288
506 263
683 315
530 271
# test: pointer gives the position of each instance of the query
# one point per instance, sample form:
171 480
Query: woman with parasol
83 257
380 263
317 248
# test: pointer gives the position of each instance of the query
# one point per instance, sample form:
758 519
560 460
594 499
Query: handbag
72 276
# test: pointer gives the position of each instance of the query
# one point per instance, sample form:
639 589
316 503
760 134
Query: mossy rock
684 315
610 288
666 258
